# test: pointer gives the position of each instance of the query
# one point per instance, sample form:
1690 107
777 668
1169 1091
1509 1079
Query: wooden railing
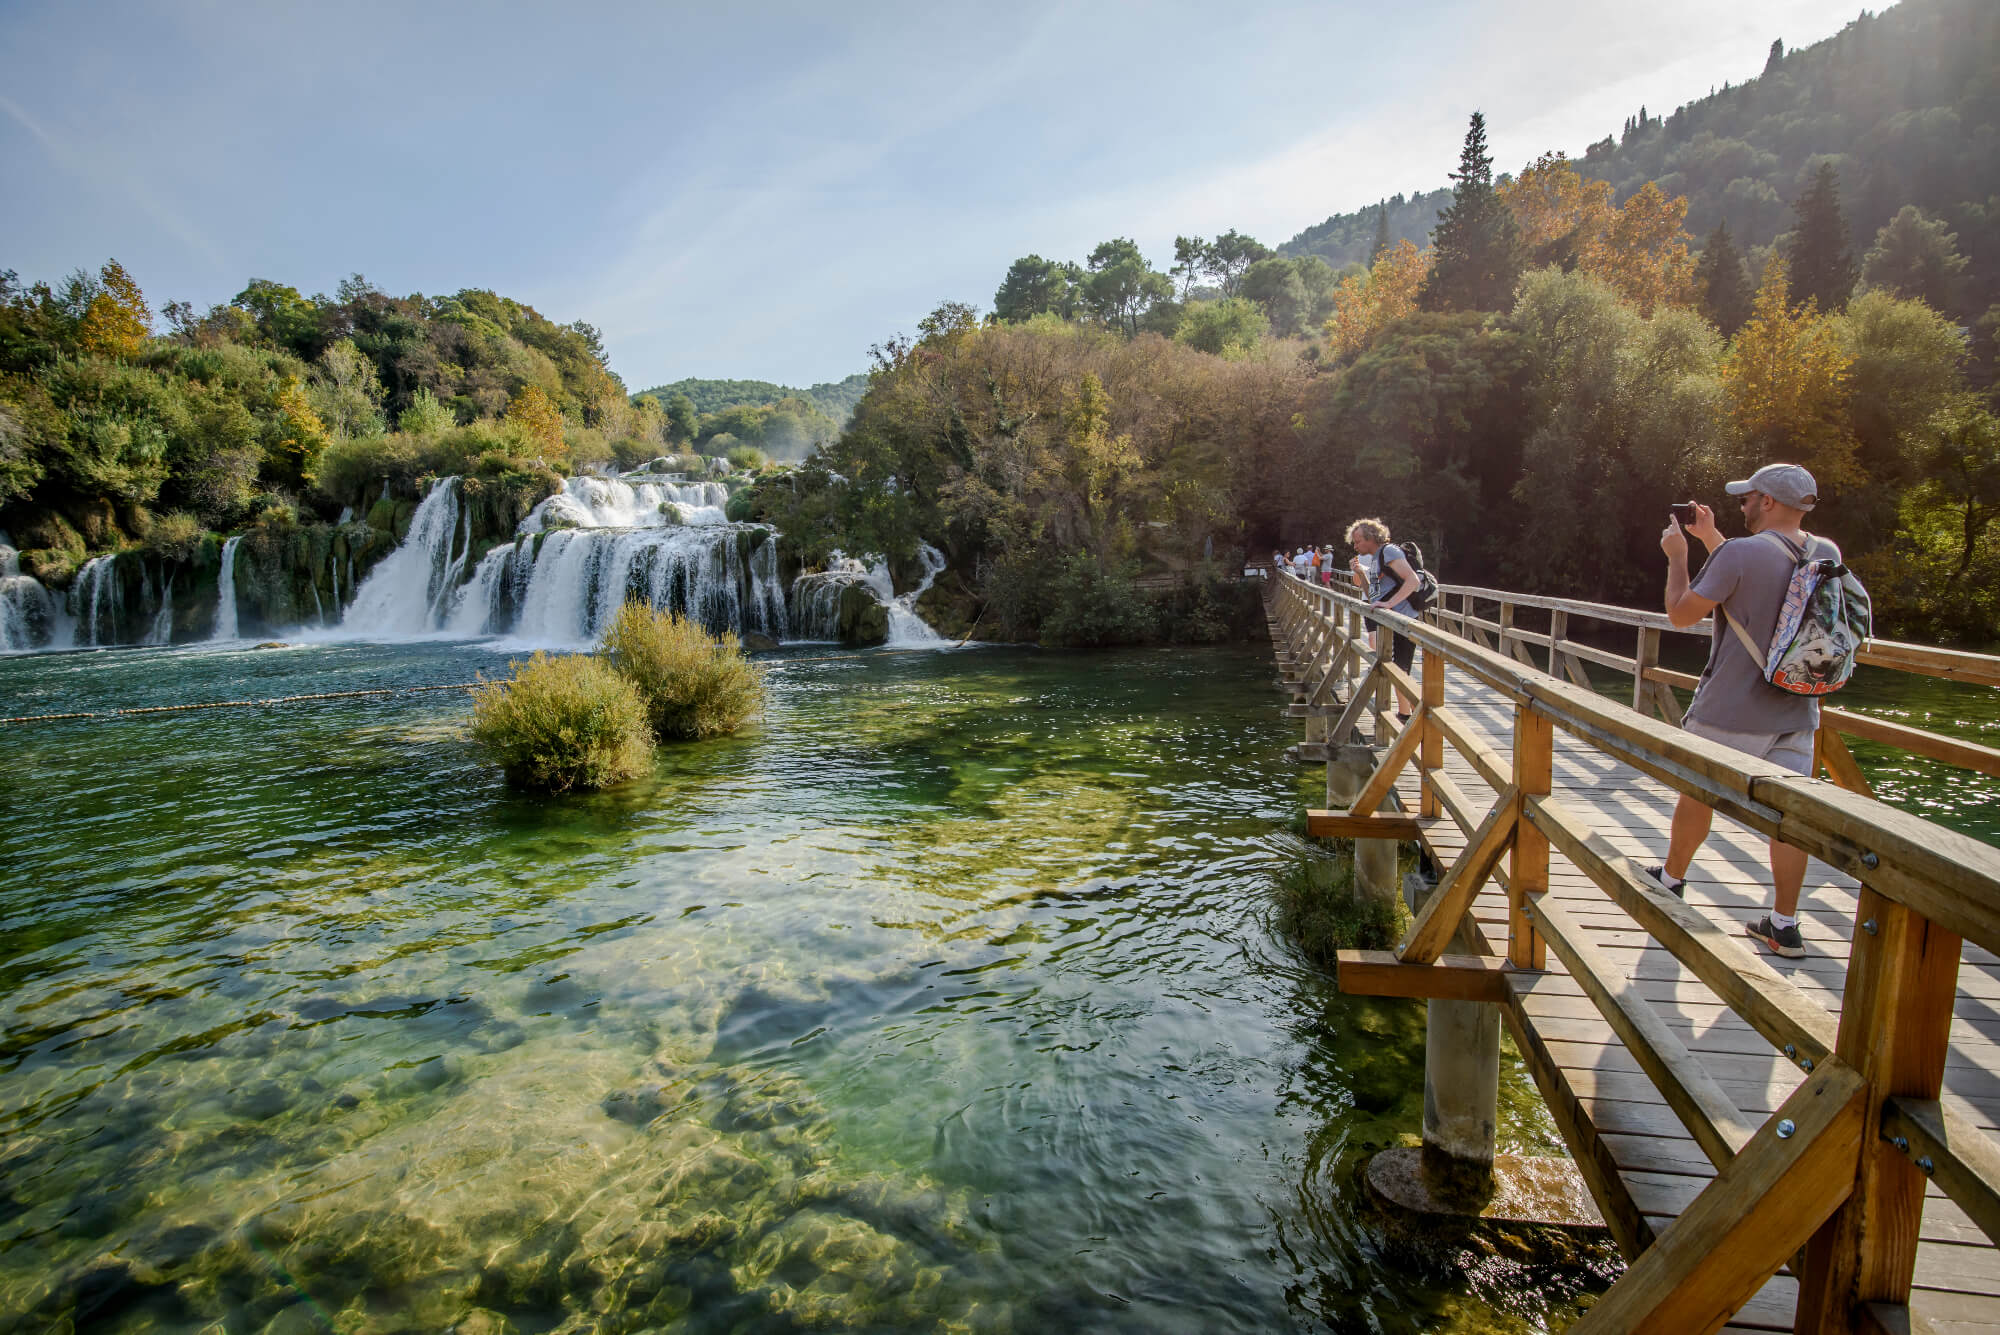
1459 609
1836 1175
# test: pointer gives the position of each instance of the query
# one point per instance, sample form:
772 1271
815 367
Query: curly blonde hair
1367 528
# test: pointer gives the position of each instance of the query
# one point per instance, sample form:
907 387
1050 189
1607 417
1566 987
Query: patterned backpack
1825 620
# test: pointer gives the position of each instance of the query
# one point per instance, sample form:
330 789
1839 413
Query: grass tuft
694 684
563 723
1320 908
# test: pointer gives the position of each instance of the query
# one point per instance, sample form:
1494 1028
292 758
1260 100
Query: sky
762 191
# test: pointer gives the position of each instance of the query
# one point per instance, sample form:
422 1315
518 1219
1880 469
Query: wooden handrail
1870 1102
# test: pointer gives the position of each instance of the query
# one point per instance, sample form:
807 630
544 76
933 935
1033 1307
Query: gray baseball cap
1787 484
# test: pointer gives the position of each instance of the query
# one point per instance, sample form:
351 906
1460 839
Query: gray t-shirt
1749 578
1382 581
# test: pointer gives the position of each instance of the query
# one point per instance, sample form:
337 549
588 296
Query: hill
1903 104
835 398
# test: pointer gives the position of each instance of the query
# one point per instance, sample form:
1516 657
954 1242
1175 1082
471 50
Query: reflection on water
945 998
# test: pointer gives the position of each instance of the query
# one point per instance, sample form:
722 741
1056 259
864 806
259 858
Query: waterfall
29 618
97 601
565 587
905 626
225 601
816 598
401 595
600 502
162 630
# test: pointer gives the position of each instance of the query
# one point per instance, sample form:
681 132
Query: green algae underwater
944 997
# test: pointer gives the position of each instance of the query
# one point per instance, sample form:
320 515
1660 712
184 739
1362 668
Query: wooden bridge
1776 1144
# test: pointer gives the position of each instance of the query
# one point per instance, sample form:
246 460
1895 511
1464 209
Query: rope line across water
348 695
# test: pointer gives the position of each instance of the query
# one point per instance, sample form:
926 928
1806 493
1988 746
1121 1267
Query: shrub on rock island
694 684
562 723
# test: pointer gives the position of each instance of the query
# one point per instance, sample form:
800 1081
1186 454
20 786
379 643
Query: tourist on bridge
1383 573
1747 578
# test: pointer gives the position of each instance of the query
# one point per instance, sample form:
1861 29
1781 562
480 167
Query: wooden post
1507 645
1558 632
1384 697
1647 655
1895 1025
1528 871
1431 757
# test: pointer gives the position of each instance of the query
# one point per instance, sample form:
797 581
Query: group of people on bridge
1744 582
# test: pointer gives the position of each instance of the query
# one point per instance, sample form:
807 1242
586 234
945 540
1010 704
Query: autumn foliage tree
1640 249
117 321
1787 379
1365 304
531 411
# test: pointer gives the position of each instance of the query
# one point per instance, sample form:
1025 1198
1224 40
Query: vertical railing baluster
1528 869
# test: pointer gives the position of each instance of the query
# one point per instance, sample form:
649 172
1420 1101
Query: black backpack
1427 585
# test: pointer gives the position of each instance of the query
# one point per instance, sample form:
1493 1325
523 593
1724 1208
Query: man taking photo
1746 579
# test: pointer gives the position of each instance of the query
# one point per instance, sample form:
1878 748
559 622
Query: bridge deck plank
1660 1169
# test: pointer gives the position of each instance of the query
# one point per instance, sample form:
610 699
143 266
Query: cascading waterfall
96 601
29 616
225 606
816 598
162 629
401 595
576 559
906 628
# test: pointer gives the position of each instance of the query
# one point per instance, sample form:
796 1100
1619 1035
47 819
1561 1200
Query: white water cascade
401 596
29 616
575 560
225 607
97 602
816 598
162 629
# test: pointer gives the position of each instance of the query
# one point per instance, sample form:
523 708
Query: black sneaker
1784 941
1658 875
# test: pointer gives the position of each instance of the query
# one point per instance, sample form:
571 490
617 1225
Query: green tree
1229 327
1122 285
1915 256
1476 258
1229 257
1381 232
1274 285
1190 256
681 419
1722 282
532 412
1817 258
1033 286
426 416
345 391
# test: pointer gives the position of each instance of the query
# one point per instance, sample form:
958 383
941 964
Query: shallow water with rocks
943 997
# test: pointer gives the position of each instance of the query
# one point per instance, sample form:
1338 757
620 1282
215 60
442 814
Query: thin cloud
109 178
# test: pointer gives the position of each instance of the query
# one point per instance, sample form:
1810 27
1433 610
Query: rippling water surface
944 997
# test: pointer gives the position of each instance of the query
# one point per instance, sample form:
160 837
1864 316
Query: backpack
1427 585
1826 618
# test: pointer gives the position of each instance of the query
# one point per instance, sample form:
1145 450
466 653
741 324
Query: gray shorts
1788 750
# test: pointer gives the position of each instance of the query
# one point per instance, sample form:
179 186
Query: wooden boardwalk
1650 1069
1587 1074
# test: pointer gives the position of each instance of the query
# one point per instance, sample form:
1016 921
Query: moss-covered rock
863 619
951 606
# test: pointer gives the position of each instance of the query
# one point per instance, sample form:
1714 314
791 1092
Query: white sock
1782 921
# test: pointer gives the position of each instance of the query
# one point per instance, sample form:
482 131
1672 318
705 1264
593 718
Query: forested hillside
1356 238
1905 105
835 399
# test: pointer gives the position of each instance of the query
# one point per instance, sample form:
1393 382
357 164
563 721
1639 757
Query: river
944 997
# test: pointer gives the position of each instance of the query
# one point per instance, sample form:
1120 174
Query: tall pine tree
1816 253
1381 232
1722 282
1476 255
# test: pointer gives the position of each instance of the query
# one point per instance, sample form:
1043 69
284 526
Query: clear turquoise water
945 997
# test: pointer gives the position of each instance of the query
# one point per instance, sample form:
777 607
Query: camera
1684 512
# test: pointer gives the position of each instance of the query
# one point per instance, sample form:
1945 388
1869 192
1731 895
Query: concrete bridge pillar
1461 1088
1347 770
